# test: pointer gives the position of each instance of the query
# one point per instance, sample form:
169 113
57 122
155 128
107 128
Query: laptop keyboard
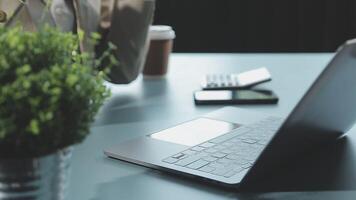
231 153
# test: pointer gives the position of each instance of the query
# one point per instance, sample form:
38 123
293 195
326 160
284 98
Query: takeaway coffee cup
161 43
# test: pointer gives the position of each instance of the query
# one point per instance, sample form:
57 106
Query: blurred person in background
124 23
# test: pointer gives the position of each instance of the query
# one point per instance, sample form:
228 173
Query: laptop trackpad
195 132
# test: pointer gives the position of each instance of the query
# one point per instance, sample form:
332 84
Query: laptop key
236 139
225 161
188 160
197 148
227 151
207 145
178 156
170 160
210 158
211 150
207 169
197 164
246 166
189 152
238 169
216 165
241 161
229 174
248 141
219 147
228 144
219 155
233 172
221 171
233 156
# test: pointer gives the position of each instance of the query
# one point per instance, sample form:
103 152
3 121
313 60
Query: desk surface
149 105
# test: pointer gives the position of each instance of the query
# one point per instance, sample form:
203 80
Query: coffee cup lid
161 32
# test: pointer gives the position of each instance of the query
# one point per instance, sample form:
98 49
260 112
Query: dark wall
258 25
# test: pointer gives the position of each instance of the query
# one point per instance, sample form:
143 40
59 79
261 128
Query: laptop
231 146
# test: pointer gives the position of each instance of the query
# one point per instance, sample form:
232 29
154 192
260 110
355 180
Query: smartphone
236 81
235 97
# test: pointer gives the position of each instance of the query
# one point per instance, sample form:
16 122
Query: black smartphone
235 97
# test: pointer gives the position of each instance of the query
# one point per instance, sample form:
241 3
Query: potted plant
49 95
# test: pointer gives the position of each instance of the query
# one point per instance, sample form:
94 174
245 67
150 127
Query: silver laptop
231 146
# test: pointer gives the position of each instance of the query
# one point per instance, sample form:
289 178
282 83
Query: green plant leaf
50 92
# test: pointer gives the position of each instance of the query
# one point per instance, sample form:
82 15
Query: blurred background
258 26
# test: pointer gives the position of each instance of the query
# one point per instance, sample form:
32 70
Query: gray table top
149 105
